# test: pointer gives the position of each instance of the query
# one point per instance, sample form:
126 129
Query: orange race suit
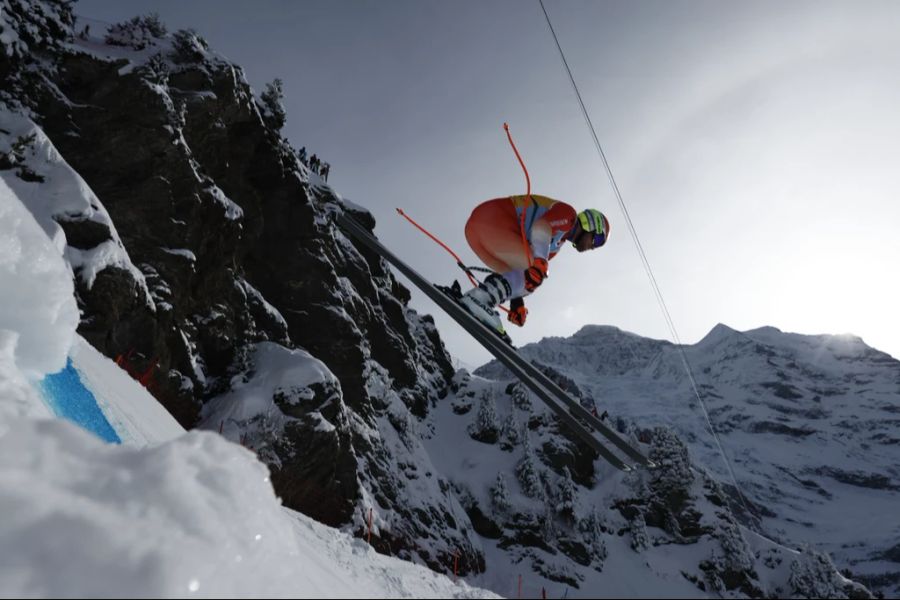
494 231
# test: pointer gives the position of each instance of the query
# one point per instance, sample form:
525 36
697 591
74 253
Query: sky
755 145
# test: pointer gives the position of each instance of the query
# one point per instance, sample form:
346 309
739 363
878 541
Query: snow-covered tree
156 70
509 433
520 397
813 575
188 46
566 495
500 494
738 556
591 528
484 428
639 539
28 26
272 107
732 564
528 473
548 524
670 482
137 33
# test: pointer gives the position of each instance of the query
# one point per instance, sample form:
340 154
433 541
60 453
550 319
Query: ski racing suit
494 231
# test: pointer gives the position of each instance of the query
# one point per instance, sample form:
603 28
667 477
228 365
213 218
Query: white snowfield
165 514
195 516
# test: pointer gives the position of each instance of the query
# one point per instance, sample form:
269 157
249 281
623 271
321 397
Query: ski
583 413
574 406
506 354
541 385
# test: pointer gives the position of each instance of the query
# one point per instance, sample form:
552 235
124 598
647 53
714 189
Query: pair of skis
540 384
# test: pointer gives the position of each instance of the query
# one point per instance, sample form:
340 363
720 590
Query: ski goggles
598 239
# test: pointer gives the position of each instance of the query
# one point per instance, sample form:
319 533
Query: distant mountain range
811 425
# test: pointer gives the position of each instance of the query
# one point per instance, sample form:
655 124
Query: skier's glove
535 274
517 312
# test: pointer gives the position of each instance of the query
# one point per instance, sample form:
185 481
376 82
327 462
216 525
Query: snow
353 206
275 368
194 358
62 195
194 516
8 37
249 290
182 252
36 292
233 212
134 414
17 396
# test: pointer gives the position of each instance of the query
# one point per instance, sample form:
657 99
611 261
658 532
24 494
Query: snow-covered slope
136 416
194 516
552 519
810 424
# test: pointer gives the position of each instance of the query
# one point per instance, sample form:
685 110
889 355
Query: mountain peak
717 334
598 330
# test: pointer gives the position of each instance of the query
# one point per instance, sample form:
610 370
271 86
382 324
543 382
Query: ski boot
454 291
495 286
481 303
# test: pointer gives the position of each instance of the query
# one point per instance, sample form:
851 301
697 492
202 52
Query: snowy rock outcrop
197 237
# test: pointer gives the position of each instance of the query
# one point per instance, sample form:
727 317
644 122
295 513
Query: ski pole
459 262
527 193
442 245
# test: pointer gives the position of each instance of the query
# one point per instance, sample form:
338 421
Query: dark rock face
316 467
84 234
234 242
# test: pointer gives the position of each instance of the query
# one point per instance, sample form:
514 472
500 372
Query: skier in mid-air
495 232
